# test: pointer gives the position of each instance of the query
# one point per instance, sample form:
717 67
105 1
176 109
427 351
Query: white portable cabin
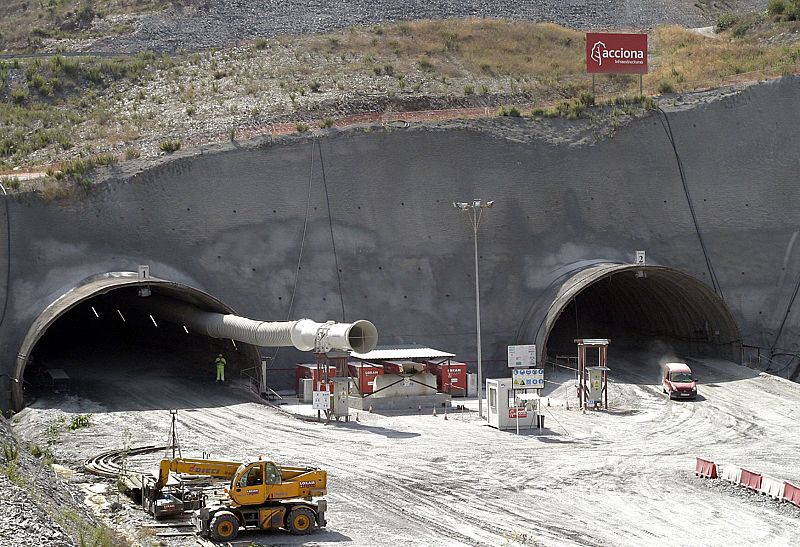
505 414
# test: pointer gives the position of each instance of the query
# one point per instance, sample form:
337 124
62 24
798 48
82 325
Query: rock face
38 508
230 222
216 23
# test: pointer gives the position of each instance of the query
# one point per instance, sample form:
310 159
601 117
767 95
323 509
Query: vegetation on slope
56 109
25 23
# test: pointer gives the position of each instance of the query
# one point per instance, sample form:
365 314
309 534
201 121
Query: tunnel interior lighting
95 312
121 316
185 329
153 320
234 344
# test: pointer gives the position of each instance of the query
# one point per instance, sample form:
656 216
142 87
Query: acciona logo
621 56
616 53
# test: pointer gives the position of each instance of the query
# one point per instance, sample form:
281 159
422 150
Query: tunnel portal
103 333
637 306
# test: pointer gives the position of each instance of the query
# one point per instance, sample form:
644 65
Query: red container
451 378
310 371
365 374
392 367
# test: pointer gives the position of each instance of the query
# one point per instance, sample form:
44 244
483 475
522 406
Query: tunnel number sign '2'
616 53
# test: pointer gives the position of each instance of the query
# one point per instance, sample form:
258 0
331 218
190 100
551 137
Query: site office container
310 371
451 377
364 375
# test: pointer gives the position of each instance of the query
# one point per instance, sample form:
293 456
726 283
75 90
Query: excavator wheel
224 526
300 521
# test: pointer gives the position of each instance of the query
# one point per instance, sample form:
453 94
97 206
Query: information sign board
522 356
321 400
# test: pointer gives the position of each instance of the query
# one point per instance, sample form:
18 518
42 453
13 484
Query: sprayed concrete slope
229 222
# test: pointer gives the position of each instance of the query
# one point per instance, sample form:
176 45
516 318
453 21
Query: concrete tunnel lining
674 303
103 284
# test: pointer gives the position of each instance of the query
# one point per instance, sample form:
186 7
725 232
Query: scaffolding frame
601 345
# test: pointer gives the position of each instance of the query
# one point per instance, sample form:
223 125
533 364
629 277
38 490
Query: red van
677 381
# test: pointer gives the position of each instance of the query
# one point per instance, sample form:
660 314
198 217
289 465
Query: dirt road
620 477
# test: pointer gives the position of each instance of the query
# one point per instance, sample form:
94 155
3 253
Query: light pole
474 212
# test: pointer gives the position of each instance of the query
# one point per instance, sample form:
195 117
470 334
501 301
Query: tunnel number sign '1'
615 53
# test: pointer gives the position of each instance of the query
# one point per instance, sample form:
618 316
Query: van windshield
682 377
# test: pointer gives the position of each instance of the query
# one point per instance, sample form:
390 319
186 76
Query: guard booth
508 410
593 378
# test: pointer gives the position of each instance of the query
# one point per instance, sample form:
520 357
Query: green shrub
740 30
261 43
425 64
327 122
132 153
19 95
170 145
105 159
664 86
469 89
776 7
301 127
725 21
314 86
79 421
513 112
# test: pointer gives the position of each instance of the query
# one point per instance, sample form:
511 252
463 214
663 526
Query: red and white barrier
791 493
751 480
772 487
732 473
706 469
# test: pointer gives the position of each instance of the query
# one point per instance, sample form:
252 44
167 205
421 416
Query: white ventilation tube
304 334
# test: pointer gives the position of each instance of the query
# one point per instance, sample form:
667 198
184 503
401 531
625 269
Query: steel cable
668 130
330 225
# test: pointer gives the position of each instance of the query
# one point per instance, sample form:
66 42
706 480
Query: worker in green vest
220 362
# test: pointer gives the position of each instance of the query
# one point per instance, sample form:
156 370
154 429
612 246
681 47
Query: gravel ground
218 23
421 480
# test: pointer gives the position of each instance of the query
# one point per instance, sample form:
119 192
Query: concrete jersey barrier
732 473
751 480
772 487
706 469
791 493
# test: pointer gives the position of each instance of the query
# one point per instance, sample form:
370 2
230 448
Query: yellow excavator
261 496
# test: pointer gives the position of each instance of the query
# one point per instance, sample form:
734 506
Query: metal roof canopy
407 351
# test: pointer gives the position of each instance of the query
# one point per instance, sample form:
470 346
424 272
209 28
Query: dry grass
478 46
689 61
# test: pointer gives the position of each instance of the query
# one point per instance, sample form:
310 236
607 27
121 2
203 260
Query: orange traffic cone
419 408
445 414
434 412
357 416
370 408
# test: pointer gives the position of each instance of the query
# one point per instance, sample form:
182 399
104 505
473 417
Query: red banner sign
616 53
517 413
